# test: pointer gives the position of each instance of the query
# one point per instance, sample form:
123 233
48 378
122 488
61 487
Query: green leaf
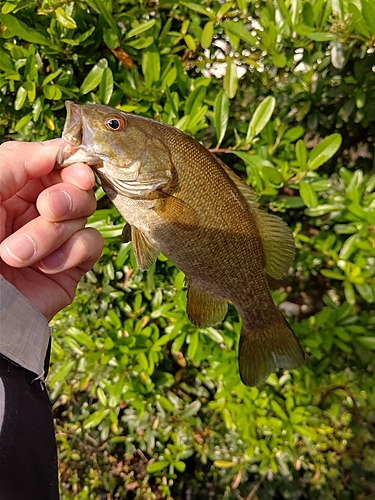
94 77
102 7
301 154
193 345
101 396
140 29
65 20
332 274
320 36
62 371
23 121
8 7
231 79
366 292
110 38
239 30
242 5
368 12
324 151
271 175
214 335
108 344
189 40
358 21
260 118
348 247
49 91
279 60
221 115
20 98
368 342
308 195
349 293
191 409
198 8
207 34
51 77
141 43
20 29
95 418
106 86
179 466
294 133
151 65
157 466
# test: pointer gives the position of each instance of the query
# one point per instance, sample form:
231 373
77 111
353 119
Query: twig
250 496
256 487
221 150
356 412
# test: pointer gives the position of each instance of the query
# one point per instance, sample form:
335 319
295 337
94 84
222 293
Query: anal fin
145 252
204 308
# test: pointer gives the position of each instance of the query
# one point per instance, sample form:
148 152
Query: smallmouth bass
179 199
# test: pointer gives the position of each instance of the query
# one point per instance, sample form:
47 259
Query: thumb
23 161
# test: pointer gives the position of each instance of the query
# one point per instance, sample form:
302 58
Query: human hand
45 248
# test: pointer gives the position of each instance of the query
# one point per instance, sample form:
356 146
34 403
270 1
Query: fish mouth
73 148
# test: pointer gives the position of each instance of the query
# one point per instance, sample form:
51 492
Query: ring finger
36 240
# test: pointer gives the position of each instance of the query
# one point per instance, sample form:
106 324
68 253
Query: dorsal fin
277 238
278 243
247 192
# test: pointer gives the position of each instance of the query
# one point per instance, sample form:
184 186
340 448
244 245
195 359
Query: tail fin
261 352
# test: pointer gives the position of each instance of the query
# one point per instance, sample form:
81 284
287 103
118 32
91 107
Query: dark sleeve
28 455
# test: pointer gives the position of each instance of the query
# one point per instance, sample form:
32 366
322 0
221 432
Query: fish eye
114 123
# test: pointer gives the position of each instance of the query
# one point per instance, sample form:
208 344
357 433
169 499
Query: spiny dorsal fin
247 192
204 308
145 252
278 243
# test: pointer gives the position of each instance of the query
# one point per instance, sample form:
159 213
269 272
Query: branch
356 412
220 150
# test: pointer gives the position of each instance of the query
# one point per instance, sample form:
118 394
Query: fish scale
178 198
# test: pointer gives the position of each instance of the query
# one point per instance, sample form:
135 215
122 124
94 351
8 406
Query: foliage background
146 405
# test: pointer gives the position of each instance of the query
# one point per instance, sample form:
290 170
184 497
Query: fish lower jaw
69 154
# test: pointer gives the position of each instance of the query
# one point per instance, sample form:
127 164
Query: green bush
146 405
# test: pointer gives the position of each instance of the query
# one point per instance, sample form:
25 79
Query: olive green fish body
181 200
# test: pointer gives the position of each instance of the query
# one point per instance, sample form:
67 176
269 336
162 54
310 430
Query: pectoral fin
176 212
203 307
145 252
126 235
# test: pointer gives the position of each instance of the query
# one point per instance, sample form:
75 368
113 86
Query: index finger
23 161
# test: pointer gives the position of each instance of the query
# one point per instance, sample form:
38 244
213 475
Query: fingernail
21 247
53 261
60 203
51 142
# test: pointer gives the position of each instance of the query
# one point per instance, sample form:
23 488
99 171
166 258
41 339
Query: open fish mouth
73 149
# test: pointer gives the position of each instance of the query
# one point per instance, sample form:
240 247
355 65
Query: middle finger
64 202
37 239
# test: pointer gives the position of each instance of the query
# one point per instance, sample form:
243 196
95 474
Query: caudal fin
262 352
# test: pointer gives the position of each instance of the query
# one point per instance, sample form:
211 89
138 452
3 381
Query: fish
180 199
